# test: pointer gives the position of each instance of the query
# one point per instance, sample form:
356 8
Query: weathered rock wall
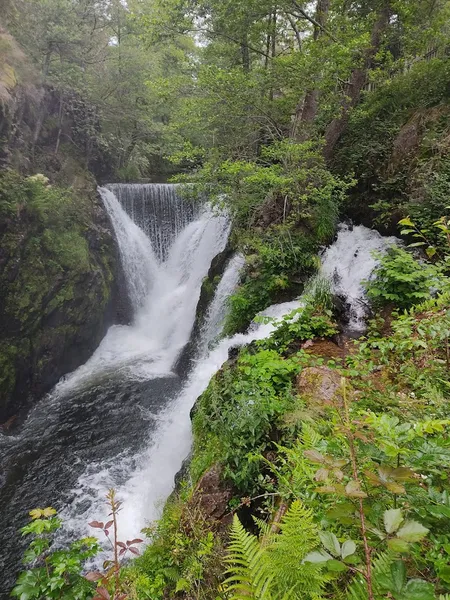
60 276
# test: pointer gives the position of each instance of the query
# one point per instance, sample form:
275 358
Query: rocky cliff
59 265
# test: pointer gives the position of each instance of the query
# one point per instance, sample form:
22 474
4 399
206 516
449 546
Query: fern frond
263 526
309 436
248 575
357 590
299 536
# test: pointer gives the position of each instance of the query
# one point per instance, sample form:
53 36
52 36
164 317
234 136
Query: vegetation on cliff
57 258
335 462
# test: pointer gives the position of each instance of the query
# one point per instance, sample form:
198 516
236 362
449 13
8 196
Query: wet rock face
60 276
211 497
53 314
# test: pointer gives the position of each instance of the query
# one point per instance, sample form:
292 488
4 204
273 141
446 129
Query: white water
149 475
136 252
164 295
157 210
348 263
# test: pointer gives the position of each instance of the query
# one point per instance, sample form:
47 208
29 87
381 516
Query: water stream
122 419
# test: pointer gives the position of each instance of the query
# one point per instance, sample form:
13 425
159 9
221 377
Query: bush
305 323
402 281
238 413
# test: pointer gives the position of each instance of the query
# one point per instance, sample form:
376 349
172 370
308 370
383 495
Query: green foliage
283 207
276 264
182 550
53 574
238 412
273 568
305 323
401 281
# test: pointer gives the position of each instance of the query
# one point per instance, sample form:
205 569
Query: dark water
41 463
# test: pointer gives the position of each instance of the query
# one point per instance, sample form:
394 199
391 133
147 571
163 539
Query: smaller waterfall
217 311
348 263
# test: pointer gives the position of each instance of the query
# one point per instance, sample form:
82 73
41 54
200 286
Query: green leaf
398 545
330 542
393 518
182 585
336 566
412 532
417 589
319 556
398 575
407 222
348 548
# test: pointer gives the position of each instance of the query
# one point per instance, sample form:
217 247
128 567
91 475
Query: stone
318 385
211 496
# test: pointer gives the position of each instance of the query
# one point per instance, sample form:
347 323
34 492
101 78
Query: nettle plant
59 574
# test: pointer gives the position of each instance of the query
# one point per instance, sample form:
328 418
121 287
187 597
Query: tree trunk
357 81
306 111
245 53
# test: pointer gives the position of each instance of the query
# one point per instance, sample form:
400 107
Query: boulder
318 385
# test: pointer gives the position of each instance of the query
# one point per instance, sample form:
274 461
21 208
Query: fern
357 589
263 526
273 570
309 436
299 536
249 578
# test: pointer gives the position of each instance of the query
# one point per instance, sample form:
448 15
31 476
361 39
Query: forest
319 464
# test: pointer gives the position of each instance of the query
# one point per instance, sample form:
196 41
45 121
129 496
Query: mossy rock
58 271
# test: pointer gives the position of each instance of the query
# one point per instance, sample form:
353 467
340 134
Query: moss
8 356
54 281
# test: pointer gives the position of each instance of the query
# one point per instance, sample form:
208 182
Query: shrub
240 410
402 281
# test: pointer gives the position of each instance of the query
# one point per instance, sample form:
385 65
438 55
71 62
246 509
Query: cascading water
155 468
158 210
348 263
87 434
164 293
122 419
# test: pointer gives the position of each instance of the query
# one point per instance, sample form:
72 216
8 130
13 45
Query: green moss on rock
58 262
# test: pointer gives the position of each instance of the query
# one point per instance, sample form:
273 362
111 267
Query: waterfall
122 419
158 210
215 316
164 287
349 261
139 261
